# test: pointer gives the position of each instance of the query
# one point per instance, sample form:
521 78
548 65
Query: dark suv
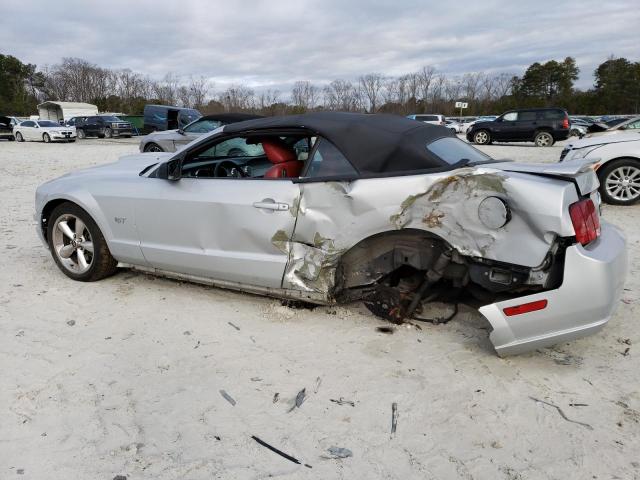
544 126
102 127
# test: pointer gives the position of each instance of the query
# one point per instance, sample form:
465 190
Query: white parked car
618 164
43 131
433 119
456 127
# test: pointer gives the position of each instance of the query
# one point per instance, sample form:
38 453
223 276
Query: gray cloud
264 43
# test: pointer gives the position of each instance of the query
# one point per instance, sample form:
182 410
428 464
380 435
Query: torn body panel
334 217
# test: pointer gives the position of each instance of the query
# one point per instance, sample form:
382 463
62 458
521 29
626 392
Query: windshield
453 150
111 118
202 126
189 115
47 123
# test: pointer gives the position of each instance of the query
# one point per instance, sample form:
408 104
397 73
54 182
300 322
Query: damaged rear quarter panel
335 216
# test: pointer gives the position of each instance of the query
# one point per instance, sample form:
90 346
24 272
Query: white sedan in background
618 164
43 131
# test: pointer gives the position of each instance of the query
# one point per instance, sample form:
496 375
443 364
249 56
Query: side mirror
181 131
170 170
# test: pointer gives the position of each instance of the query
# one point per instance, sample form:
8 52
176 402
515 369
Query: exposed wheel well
379 255
46 213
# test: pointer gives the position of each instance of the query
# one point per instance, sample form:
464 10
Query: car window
510 117
47 123
453 150
427 118
28 124
633 125
328 161
526 116
234 147
202 126
553 114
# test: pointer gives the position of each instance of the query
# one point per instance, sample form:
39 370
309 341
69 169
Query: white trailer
63 111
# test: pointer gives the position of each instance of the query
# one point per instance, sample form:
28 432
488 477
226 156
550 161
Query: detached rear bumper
593 280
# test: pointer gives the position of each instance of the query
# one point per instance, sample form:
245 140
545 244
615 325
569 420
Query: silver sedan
337 207
172 140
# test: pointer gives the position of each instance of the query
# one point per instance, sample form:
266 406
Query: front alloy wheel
77 244
153 147
46 138
72 244
481 137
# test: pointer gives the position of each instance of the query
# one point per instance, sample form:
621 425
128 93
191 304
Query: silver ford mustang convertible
337 207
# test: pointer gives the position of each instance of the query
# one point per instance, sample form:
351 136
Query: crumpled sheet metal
335 216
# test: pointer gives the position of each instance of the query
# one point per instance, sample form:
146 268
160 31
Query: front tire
108 133
620 182
77 244
153 147
46 138
19 137
482 137
543 139
80 134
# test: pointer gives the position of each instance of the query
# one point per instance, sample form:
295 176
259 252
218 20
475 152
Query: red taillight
565 123
586 222
525 308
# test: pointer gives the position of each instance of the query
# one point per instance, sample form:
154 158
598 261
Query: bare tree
341 95
304 95
199 89
370 86
237 98
425 79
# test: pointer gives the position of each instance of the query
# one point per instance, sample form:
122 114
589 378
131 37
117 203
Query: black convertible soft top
374 144
230 117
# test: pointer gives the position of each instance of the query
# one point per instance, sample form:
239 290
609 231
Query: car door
221 228
526 125
503 127
30 131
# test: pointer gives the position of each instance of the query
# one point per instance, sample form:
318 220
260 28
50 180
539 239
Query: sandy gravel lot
122 377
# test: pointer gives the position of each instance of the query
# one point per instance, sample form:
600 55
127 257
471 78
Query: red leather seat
283 158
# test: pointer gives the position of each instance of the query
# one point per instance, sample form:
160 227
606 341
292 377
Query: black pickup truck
543 126
102 127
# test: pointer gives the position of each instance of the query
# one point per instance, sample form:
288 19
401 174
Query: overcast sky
273 43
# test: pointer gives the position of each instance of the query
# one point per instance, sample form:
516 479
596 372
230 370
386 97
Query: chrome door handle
271 205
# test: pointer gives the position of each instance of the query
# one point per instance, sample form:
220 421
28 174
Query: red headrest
277 151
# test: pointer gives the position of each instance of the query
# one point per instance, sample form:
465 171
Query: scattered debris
298 304
578 404
388 330
234 326
20 471
256 379
317 385
394 417
107 338
197 345
626 341
186 332
279 452
561 412
300 398
342 401
276 396
228 397
120 477
71 323
217 437
626 352
339 452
